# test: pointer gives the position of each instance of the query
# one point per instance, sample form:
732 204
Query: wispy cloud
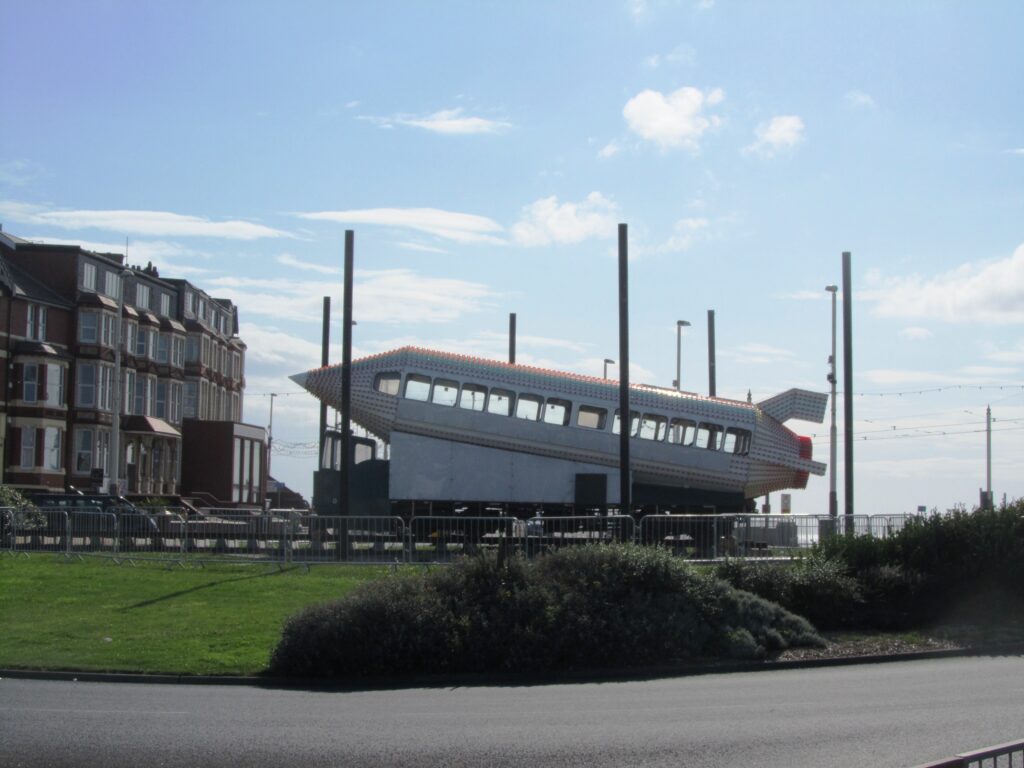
420 247
384 296
674 120
857 99
781 133
987 292
915 333
448 225
453 122
290 261
608 150
19 173
1013 354
548 221
682 54
157 223
1017 151
685 233
759 354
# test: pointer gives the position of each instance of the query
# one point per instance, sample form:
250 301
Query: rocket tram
465 430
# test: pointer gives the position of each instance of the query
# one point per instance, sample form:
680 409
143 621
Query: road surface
894 714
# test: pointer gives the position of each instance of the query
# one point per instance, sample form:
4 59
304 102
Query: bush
588 607
817 588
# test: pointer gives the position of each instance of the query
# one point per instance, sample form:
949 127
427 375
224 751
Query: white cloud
686 232
290 261
859 100
680 55
546 221
757 353
269 346
19 173
782 132
136 222
916 334
1011 355
608 150
381 296
989 292
968 376
675 120
452 122
420 247
449 225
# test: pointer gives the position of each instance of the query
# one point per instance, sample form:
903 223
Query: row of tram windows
553 410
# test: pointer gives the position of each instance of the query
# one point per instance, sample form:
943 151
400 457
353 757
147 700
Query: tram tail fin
796 404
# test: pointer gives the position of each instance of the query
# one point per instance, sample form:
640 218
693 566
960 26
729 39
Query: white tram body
463 428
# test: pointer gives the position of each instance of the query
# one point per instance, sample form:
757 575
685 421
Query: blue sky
484 152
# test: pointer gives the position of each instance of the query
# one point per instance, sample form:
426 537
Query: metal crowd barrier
289 536
1009 755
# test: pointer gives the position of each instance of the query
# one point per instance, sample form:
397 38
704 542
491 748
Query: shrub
817 588
580 608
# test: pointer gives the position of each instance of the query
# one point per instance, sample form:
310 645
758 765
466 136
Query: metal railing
288 536
1009 755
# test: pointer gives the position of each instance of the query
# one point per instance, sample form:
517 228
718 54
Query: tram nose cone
300 378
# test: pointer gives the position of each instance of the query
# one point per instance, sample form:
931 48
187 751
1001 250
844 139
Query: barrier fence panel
438 539
546 534
238 536
694 537
765 535
92 532
40 530
884 526
317 539
7 528
854 525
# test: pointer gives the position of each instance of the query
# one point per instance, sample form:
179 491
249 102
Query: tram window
708 436
591 418
652 427
528 407
500 402
387 383
736 441
472 397
446 392
682 431
634 423
557 411
417 387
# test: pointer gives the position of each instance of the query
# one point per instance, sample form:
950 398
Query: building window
131 334
55 385
30 383
106 389
160 403
86 396
142 296
83 451
142 396
192 349
88 277
175 403
165 304
35 328
28 447
141 342
190 400
127 391
163 343
177 351
112 285
107 330
88 327
51 448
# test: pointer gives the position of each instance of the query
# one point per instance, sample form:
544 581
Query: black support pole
624 418
848 388
325 357
346 372
712 391
512 338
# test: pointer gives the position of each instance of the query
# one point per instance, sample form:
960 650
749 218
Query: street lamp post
114 460
607 362
680 324
833 500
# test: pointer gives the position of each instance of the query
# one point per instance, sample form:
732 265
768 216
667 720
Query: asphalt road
895 714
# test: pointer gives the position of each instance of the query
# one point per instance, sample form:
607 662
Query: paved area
894 714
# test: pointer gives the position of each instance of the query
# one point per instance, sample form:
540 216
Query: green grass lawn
98 616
